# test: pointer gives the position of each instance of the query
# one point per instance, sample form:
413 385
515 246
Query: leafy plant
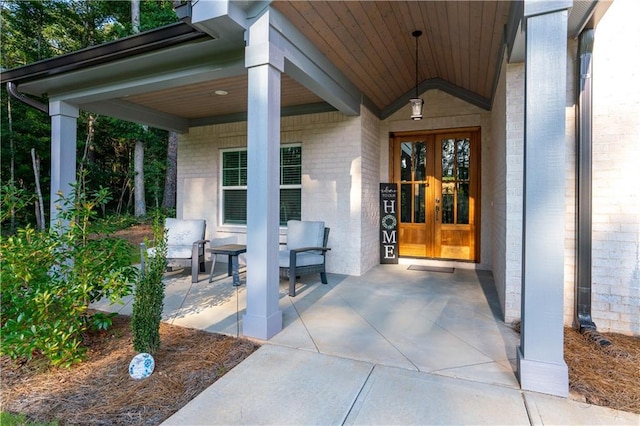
149 295
50 278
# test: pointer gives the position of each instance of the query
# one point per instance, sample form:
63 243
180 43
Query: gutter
584 178
137 44
13 91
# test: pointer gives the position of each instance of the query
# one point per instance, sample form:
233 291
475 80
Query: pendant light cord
416 35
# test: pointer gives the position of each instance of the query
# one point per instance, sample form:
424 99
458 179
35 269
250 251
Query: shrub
149 295
50 278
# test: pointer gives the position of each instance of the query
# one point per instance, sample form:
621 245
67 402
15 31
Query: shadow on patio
443 323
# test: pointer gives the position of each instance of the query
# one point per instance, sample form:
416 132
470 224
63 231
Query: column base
260 327
543 377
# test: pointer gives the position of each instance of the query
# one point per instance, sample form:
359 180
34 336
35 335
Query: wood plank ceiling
371 43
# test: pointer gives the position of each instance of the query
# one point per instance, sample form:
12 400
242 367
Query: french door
438 182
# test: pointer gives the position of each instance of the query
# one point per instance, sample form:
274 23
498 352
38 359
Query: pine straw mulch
604 375
100 391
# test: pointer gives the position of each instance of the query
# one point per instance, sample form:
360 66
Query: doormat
443 269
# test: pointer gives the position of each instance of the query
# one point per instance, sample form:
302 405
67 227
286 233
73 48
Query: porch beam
139 114
307 65
541 365
64 117
263 318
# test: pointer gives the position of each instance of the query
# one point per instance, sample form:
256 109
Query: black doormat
431 269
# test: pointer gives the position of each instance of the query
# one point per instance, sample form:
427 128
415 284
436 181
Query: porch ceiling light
221 92
416 103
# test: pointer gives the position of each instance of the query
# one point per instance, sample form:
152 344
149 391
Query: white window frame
222 188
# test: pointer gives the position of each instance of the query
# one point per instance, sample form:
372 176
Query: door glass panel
405 203
419 203
420 161
448 159
406 149
463 203
463 155
456 161
448 196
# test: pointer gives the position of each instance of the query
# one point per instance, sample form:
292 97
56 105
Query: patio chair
305 252
185 244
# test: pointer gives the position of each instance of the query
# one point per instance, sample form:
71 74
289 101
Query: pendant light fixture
417 102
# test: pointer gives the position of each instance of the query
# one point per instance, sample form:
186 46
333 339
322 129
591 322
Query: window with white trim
234 185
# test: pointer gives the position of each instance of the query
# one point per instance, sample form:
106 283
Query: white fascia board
306 64
138 114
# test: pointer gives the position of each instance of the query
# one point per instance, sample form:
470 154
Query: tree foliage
33 30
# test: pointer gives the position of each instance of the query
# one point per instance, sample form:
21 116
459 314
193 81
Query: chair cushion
304 234
184 232
302 259
174 252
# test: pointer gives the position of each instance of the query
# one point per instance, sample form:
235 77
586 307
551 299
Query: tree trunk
40 223
135 16
171 176
140 206
12 172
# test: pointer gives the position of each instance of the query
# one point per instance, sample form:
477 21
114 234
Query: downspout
13 91
584 176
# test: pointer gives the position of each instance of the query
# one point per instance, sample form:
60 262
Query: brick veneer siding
334 188
616 170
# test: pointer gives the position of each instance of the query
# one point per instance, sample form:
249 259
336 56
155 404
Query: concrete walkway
392 347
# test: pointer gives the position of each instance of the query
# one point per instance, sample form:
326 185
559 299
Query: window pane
420 161
234 168
291 156
290 202
235 206
291 166
405 161
405 203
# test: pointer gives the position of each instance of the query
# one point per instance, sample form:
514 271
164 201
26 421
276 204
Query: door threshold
439 263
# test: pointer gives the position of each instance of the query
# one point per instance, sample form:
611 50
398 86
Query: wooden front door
438 182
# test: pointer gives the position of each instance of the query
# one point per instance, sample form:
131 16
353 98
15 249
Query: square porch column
64 117
541 365
265 63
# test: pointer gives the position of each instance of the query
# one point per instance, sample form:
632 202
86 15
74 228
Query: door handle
437 211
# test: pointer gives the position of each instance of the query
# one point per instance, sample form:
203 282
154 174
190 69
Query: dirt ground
100 392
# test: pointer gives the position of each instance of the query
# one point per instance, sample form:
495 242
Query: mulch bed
100 391
604 375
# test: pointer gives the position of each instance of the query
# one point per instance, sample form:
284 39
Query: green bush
50 278
149 295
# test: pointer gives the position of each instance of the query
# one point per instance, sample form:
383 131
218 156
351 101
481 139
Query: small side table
231 250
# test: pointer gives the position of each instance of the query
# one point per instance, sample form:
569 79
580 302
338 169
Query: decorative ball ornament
141 366
389 222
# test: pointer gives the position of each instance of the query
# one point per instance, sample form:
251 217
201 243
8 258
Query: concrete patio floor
394 346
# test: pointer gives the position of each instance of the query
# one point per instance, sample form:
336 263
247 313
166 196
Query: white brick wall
616 192
332 181
370 239
616 170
